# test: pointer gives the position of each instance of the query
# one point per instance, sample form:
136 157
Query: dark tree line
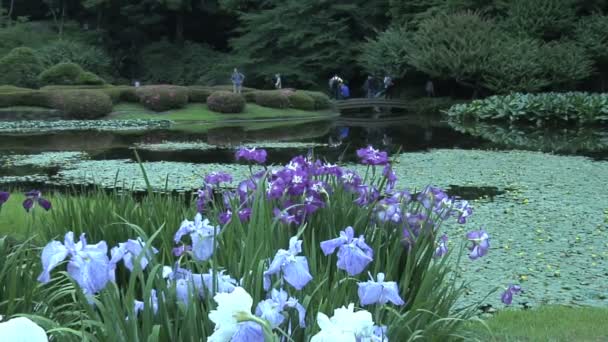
467 46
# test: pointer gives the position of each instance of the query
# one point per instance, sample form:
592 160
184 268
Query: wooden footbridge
366 103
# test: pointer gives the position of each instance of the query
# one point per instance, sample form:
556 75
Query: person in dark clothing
344 91
370 86
334 86
429 88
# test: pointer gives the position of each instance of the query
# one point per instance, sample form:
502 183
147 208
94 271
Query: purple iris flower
204 196
253 154
248 331
244 214
294 268
371 156
131 250
318 188
433 198
507 296
312 203
178 251
442 247
367 194
284 216
89 265
202 235
276 188
353 253
272 309
215 178
138 305
379 292
225 217
4 197
245 188
402 196
391 177
201 284
34 197
389 209
462 209
481 243
350 180
299 183
329 169
414 225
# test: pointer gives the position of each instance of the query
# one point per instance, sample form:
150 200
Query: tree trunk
62 18
179 27
10 12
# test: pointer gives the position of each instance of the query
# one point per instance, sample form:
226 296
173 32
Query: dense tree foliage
472 46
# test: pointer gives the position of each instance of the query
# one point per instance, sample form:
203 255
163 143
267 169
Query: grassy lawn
549 323
200 112
14 220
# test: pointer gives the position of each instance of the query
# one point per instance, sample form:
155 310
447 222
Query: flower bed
270 258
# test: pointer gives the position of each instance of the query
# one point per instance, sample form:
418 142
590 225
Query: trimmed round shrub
250 96
62 74
121 94
301 101
226 102
198 94
81 104
89 78
20 67
322 101
14 96
160 98
272 99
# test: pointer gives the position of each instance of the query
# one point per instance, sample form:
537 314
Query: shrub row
304 100
578 107
162 97
69 74
75 104
226 102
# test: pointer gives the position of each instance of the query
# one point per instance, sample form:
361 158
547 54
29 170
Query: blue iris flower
294 268
202 235
89 265
272 309
353 253
379 292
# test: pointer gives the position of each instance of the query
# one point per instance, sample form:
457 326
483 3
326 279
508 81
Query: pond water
540 193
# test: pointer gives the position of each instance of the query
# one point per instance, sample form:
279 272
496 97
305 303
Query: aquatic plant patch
543 108
93 125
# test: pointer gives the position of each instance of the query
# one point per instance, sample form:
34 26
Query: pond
541 194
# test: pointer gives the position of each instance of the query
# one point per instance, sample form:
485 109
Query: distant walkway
357 103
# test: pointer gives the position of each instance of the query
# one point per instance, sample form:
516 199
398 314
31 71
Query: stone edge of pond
97 125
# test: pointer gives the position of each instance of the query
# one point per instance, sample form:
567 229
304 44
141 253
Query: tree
306 40
544 19
454 47
387 53
591 33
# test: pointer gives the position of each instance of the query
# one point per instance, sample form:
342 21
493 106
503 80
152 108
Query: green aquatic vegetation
543 108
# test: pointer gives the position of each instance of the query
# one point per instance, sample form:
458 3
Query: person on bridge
388 85
370 87
344 91
334 86
430 88
277 81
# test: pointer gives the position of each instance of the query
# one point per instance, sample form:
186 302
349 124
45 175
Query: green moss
550 323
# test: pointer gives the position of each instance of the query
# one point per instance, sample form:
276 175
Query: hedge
226 102
199 94
81 104
20 67
69 74
300 100
541 108
160 98
322 101
272 98
23 97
